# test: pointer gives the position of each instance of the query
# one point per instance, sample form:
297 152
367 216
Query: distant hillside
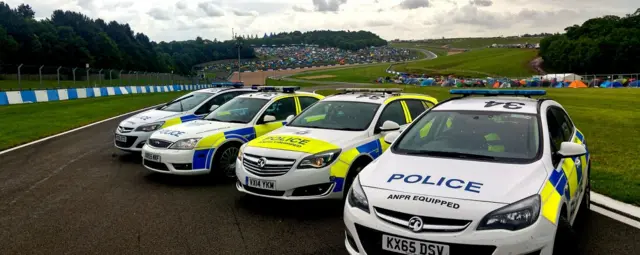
475 43
346 40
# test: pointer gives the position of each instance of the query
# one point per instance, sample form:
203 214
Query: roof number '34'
506 105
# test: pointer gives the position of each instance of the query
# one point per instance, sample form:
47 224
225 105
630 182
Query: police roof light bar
497 92
283 89
227 84
370 89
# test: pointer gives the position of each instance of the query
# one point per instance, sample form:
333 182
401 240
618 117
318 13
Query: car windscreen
493 136
186 102
237 110
339 115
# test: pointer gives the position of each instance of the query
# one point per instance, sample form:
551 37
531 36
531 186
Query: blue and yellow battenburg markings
203 155
556 186
341 167
181 119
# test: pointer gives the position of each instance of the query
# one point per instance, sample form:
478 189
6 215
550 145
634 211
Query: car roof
272 94
518 104
216 90
368 97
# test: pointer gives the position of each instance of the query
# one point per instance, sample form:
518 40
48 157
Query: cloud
378 23
181 5
159 14
483 3
328 5
211 9
413 4
244 13
299 9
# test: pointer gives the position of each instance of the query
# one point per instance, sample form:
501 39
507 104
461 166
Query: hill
346 40
472 43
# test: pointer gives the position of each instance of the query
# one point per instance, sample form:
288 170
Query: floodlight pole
239 43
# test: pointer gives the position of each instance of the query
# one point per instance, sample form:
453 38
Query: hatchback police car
474 175
133 132
317 154
211 145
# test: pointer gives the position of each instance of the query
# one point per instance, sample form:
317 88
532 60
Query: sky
168 20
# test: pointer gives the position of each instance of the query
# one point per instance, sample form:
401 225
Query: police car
211 145
133 132
318 153
474 175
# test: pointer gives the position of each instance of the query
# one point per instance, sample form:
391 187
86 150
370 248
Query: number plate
152 157
121 138
408 246
261 184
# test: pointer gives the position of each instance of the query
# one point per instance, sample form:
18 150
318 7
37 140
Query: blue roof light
283 89
497 92
227 84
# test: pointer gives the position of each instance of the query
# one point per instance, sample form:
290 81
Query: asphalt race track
76 194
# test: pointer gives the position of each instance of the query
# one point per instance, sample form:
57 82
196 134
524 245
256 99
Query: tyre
585 205
350 177
566 241
224 163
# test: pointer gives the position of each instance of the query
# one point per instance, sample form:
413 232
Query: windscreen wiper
451 154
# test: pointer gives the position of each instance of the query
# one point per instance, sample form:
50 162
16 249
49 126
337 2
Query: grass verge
27 122
609 119
48 84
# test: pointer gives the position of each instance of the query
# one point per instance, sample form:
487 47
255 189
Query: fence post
74 76
88 80
171 77
40 74
158 78
19 77
130 79
137 79
110 77
120 77
100 77
58 73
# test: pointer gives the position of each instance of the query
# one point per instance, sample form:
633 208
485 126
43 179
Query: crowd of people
304 55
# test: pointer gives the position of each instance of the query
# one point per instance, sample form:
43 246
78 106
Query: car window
337 115
281 109
217 100
393 112
238 110
186 102
473 135
306 102
416 107
556 136
564 123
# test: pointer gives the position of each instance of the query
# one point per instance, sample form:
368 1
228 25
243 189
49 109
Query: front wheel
225 162
350 177
566 241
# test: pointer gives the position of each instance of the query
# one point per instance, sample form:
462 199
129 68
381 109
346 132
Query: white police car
474 175
200 146
133 132
318 154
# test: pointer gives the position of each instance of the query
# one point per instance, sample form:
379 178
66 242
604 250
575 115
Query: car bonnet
147 117
194 129
454 178
308 140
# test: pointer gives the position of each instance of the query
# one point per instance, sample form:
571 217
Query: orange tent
496 85
577 84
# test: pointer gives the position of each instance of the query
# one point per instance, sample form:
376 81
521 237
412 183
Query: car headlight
240 151
356 197
319 160
185 144
150 127
513 217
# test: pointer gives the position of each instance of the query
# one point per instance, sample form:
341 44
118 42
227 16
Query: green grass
12 84
609 119
475 43
27 122
477 63
435 49
357 74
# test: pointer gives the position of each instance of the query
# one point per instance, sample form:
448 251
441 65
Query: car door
280 109
216 100
561 131
394 111
575 164
304 102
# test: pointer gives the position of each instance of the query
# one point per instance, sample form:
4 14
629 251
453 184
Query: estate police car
318 153
133 132
200 146
474 175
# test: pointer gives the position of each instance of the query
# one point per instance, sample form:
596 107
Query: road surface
75 194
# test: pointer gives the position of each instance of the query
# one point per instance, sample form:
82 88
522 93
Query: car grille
371 241
155 165
128 143
159 143
273 166
122 129
430 224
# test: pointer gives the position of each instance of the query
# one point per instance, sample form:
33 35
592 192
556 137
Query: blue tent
634 84
559 85
427 82
533 83
617 84
605 84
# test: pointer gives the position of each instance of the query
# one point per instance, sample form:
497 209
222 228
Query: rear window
492 136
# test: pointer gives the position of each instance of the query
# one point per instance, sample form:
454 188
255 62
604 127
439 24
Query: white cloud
166 20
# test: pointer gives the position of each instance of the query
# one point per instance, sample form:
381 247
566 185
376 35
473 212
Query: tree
25 11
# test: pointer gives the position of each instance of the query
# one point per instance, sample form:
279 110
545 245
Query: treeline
347 40
72 39
608 44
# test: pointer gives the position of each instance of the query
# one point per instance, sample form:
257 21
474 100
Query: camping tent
560 77
427 82
577 84
609 84
634 84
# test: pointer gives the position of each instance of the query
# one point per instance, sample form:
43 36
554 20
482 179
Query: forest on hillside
72 39
608 44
